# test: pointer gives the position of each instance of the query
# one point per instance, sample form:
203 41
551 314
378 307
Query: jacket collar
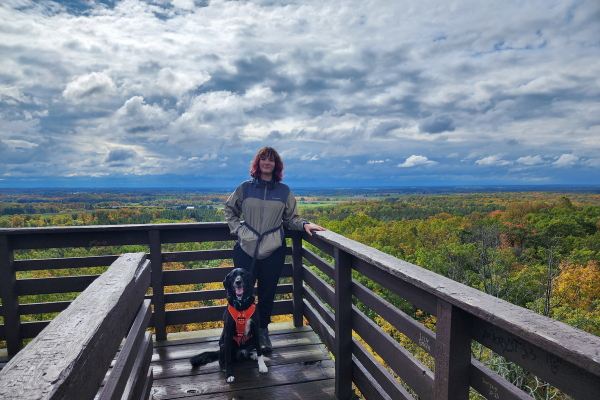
260 183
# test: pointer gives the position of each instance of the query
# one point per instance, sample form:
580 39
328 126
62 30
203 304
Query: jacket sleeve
291 219
233 210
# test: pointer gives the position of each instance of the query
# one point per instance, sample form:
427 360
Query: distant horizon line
588 186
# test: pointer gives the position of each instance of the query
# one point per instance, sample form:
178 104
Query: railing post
10 298
452 353
158 289
343 324
297 291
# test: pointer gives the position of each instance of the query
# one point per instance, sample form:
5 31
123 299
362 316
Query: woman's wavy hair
263 153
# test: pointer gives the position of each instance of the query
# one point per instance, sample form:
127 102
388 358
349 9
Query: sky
183 93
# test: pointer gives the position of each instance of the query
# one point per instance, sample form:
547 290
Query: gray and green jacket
265 206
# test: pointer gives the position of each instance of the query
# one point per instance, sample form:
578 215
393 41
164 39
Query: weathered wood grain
297 278
319 307
343 324
115 385
206 336
29 330
377 372
63 263
418 377
326 334
318 390
158 285
491 385
43 308
162 354
207 275
216 294
322 288
245 379
563 374
215 313
284 353
61 284
141 368
69 359
568 343
399 320
368 386
10 298
318 262
452 353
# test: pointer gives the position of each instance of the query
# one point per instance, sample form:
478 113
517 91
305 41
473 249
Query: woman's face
267 165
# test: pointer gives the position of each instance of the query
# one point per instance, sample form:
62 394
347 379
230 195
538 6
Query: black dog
240 332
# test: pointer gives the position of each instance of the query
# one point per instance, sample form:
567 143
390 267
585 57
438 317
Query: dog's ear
226 282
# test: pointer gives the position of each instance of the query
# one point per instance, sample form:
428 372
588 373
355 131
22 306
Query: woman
267 205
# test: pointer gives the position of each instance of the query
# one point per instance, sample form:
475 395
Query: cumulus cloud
95 85
494 160
530 160
166 78
414 161
375 161
566 160
172 83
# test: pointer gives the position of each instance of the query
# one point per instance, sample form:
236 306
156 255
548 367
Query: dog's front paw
262 367
253 356
230 379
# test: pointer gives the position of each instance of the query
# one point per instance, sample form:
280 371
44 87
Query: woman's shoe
265 342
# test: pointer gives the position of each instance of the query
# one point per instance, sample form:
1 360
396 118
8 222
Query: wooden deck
300 367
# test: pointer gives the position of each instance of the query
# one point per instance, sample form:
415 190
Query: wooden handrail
69 359
566 357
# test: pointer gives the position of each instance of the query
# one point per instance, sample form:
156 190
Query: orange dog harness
241 319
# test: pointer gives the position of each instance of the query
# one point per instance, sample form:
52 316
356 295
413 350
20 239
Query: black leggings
267 271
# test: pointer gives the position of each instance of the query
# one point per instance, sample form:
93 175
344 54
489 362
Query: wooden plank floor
299 368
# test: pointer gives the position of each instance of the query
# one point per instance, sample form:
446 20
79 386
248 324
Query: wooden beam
10 298
69 359
158 288
343 324
117 381
297 278
452 353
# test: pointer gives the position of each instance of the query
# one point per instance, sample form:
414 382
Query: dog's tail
204 358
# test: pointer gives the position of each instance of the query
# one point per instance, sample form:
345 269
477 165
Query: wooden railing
567 358
70 358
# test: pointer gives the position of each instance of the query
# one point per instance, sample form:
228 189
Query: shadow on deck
299 368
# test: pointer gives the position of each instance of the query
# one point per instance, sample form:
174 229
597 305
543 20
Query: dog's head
239 284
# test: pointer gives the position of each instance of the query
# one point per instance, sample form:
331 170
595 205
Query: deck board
299 367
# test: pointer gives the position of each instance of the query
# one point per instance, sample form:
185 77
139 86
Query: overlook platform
336 285
300 367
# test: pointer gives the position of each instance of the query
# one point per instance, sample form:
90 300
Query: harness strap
260 238
241 319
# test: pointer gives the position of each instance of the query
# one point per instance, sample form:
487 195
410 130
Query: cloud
414 161
384 129
494 160
12 95
175 79
119 155
437 124
529 160
566 160
172 83
95 85
375 161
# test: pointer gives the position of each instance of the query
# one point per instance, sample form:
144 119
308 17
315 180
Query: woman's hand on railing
313 227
